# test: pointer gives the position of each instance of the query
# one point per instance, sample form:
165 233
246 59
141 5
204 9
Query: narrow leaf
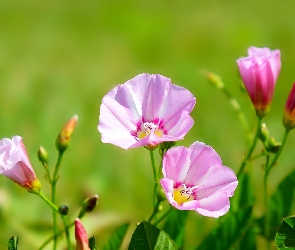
280 206
148 237
230 231
12 243
285 237
115 241
175 226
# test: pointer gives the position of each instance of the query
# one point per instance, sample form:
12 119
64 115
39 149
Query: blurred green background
59 58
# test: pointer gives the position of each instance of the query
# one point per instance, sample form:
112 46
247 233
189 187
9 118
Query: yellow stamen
182 194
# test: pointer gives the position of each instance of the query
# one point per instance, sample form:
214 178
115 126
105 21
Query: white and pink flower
145 111
15 164
195 179
259 72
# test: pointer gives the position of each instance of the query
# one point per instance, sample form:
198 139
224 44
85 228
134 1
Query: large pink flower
145 111
15 164
259 72
195 179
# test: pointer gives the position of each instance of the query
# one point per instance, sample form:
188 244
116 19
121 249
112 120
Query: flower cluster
148 110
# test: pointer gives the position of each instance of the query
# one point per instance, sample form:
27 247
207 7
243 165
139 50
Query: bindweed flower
15 164
81 236
195 179
259 72
145 111
64 136
289 114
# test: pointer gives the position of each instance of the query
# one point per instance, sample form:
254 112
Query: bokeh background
59 58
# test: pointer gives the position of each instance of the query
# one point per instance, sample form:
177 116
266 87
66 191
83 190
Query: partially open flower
195 179
145 111
259 72
15 164
289 114
81 236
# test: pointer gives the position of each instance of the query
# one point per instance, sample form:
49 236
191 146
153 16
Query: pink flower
195 179
15 164
259 72
289 114
145 111
81 236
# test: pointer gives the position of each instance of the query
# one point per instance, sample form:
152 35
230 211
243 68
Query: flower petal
202 157
176 164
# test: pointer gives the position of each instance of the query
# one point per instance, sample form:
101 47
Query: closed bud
42 156
81 236
289 113
161 196
272 145
90 203
63 210
214 79
64 136
264 133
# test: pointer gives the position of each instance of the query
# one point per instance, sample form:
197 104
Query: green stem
44 198
266 227
163 216
244 163
66 229
155 211
155 177
53 195
278 153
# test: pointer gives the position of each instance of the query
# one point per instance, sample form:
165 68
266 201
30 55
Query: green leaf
246 192
12 243
285 237
91 243
279 207
148 237
249 239
230 231
117 238
175 225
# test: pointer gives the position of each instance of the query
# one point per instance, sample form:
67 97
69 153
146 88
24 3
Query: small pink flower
81 236
195 179
289 114
145 111
15 164
259 72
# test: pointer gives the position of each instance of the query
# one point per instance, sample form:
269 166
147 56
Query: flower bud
64 136
264 133
63 209
214 79
81 236
272 145
161 196
289 114
42 155
89 203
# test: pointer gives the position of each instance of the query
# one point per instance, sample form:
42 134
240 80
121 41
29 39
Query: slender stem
268 168
163 216
155 177
66 228
53 195
44 198
266 219
155 211
244 163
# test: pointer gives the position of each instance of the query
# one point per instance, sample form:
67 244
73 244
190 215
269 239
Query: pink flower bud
289 114
81 236
259 72
15 164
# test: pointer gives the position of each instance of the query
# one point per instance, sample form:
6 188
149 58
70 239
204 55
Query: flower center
147 128
183 194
